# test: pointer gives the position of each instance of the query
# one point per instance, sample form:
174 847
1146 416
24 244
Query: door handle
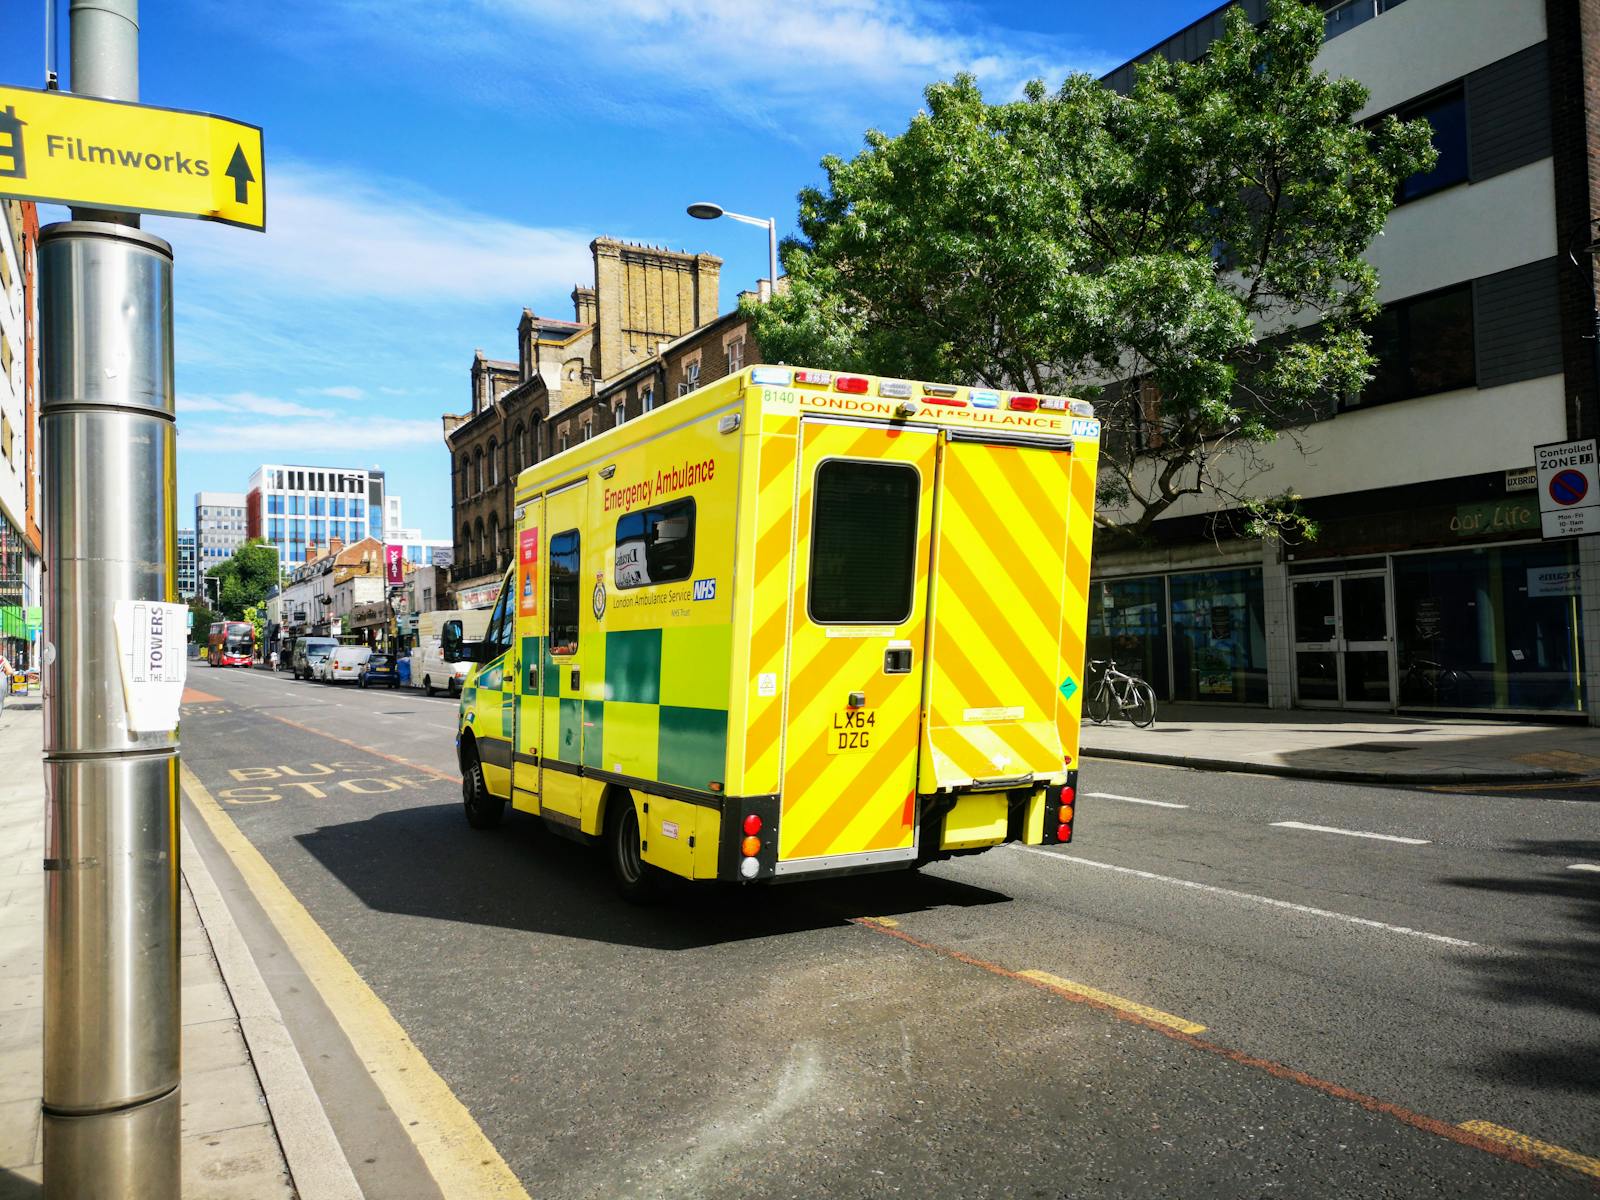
897 661
533 677
574 678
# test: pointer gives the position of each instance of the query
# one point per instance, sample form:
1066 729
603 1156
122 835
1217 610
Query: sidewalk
1351 747
231 1146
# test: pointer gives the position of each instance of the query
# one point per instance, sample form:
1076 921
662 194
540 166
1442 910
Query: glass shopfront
1498 627
1197 636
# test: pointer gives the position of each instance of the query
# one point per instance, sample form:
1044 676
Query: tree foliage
1139 249
246 578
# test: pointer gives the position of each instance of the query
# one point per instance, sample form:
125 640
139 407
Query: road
1360 972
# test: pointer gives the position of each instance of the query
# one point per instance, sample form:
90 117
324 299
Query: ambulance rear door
999 578
864 515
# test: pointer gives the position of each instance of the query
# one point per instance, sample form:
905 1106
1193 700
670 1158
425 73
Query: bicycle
1132 697
1434 682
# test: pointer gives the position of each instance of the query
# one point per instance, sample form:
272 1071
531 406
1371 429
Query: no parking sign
1569 501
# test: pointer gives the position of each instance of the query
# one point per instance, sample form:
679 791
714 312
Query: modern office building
21 542
1429 586
416 549
218 528
188 574
294 507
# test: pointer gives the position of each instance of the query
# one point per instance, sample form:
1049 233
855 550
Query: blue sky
434 167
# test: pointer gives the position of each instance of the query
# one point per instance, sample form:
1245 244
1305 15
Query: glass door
1343 645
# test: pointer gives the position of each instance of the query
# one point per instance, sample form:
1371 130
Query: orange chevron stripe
860 791
1040 595
776 457
897 828
988 620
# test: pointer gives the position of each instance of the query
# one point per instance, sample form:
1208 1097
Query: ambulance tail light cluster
853 385
1024 404
771 376
750 848
1059 803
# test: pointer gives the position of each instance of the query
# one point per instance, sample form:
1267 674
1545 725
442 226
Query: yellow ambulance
795 623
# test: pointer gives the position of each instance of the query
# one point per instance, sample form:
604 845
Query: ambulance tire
427 685
636 880
484 810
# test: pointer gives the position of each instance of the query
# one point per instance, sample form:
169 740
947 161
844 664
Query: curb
317 1165
1334 774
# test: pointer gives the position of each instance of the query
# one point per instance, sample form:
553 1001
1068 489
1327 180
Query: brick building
643 297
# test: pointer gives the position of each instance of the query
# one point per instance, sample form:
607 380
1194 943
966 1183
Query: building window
462 465
519 441
619 413
297 506
1446 111
1423 345
655 545
561 439
587 431
319 506
735 356
1347 14
864 542
647 399
691 377
275 506
494 463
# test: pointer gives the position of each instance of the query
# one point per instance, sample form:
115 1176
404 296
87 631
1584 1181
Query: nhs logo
705 589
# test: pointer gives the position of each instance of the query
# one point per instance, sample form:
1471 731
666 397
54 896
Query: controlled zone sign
66 149
1569 500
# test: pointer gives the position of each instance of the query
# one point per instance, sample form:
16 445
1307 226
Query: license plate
853 731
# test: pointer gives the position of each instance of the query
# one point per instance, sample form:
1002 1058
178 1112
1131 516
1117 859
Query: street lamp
1586 242
706 211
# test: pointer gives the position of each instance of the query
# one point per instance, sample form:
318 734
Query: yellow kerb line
462 1161
886 922
1117 1002
1556 1154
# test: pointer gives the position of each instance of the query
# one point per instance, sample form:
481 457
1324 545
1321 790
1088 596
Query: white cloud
250 404
342 392
337 234
321 436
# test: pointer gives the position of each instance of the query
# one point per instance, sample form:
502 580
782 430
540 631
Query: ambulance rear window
864 542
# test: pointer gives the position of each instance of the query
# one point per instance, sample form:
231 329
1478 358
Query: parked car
380 669
302 663
344 665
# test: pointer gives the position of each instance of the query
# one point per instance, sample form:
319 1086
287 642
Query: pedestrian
274 659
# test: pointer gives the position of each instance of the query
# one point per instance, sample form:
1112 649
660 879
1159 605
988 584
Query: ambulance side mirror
452 648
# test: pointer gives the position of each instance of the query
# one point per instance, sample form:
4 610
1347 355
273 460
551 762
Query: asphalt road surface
1333 981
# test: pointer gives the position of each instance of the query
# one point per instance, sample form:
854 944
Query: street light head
705 211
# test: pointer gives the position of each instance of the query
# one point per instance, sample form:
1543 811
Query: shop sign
1493 516
1569 498
1523 479
1553 581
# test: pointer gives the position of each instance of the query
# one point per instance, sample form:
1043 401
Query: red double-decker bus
232 644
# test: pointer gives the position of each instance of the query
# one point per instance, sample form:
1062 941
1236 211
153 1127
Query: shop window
1423 345
655 545
1127 622
1492 628
1219 641
1446 111
864 542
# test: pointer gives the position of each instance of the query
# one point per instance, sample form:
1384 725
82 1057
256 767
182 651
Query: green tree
1137 249
246 577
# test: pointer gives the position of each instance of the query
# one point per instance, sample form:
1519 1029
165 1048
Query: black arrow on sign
239 171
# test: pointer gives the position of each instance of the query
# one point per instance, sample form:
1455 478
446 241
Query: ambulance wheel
484 810
635 879
427 685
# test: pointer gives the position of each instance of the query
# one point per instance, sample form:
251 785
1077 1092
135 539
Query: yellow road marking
1521 1141
1129 1006
886 922
461 1159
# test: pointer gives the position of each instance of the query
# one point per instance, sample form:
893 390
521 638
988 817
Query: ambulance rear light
752 824
943 390
749 868
982 399
813 378
947 401
751 846
771 376
1024 403
894 389
1081 408
1063 833
853 384
1053 403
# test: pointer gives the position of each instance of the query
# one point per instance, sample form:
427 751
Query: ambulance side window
499 631
864 542
655 545
564 593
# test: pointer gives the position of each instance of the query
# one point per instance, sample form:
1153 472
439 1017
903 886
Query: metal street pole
111 1000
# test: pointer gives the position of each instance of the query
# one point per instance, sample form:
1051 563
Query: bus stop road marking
1073 990
462 1160
394 758
1472 1134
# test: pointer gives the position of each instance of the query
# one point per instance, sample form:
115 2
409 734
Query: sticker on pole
68 149
1569 502
152 652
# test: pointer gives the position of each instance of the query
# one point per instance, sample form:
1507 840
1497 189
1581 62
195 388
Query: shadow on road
1559 971
16 1187
426 862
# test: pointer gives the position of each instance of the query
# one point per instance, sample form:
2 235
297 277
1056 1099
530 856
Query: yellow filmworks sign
69 149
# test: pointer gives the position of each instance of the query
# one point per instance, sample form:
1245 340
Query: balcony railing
1345 16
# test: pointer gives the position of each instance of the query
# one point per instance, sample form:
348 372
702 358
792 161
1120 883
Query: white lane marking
1382 837
1133 800
1220 891
1584 867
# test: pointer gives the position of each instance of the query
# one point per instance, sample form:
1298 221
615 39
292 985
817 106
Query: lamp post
706 211
1581 252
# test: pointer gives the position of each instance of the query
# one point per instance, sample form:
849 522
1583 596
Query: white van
429 670
345 665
